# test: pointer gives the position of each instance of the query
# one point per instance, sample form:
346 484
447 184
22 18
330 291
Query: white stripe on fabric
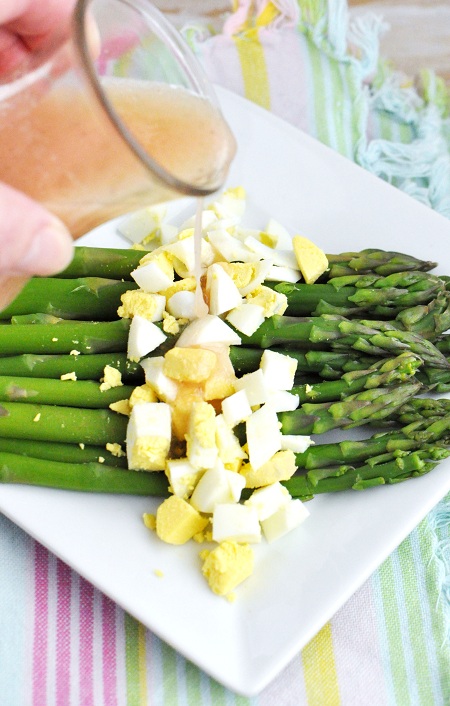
16 592
97 649
51 629
357 653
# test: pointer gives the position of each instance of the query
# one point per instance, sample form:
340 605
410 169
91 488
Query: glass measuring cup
114 118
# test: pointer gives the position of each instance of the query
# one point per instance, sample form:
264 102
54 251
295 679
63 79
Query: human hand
32 240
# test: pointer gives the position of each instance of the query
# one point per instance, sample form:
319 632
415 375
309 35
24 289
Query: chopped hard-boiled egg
143 224
311 260
263 436
284 520
222 291
206 331
177 521
279 370
246 318
137 302
201 448
235 523
184 421
226 566
149 434
143 338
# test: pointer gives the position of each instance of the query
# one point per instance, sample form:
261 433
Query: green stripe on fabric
441 646
254 69
193 688
320 104
415 622
169 673
218 693
393 633
132 661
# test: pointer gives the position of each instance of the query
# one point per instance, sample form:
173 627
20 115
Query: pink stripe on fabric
63 610
109 652
86 643
40 628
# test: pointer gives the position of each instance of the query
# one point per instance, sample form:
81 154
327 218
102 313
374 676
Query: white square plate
300 581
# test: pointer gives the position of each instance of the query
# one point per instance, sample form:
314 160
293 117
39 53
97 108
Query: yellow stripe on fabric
267 15
253 66
319 669
135 662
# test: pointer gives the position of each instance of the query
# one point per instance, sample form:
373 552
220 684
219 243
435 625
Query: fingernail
50 251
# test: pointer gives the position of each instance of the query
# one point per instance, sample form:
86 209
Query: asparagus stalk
58 451
427 320
364 407
91 477
20 420
383 373
92 298
113 263
69 393
84 337
381 262
85 367
336 478
118 263
409 437
354 294
377 338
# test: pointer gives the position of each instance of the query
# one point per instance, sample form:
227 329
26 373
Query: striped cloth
65 644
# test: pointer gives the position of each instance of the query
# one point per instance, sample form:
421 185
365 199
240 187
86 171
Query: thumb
32 240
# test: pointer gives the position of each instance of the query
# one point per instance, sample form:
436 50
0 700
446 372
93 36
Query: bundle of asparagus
368 338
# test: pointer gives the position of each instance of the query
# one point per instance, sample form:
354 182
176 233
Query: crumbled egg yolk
227 566
69 376
111 378
138 302
202 377
115 450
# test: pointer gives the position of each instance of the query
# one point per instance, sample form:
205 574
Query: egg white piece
181 305
212 488
182 476
141 224
236 408
268 500
283 274
165 388
284 520
284 239
143 338
297 443
246 318
207 330
151 277
282 400
255 387
235 523
148 420
279 370
223 293
263 436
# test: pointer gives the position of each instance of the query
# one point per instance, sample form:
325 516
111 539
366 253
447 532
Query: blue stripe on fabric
16 560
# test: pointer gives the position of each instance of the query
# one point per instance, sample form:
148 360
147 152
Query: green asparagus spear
85 367
20 420
364 407
382 262
355 294
91 477
118 263
84 337
113 263
377 338
64 452
90 298
427 320
69 393
335 478
349 451
384 372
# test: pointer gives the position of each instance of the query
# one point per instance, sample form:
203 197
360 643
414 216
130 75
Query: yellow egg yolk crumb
111 378
226 566
189 364
142 393
177 521
137 302
121 407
